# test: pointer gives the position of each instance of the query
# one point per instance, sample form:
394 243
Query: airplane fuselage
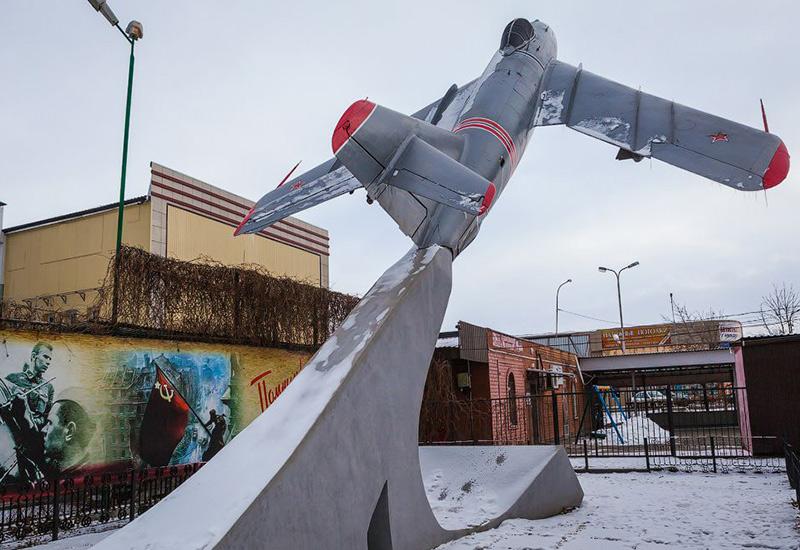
496 122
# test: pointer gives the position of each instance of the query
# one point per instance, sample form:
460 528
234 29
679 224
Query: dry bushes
445 415
206 299
202 300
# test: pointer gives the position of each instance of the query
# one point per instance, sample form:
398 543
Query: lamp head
134 30
634 264
602 269
569 280
102 7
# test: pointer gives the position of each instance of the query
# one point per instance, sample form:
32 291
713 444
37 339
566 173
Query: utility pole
602 269
557 291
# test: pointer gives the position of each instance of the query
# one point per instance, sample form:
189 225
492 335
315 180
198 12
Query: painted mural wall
71 403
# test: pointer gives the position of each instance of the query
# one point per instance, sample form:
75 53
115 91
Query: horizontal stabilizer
425 171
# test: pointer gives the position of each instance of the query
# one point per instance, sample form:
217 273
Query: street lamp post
619 296
132 33
557 291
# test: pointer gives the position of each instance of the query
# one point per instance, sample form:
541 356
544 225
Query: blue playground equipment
602 392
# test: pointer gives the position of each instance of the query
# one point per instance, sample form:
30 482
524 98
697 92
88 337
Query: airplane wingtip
778 167
241 225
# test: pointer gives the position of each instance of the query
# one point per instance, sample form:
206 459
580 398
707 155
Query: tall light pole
557 291
619 296
132 33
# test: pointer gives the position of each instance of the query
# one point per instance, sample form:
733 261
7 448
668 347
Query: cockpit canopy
516 34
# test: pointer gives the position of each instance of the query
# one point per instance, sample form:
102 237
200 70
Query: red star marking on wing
719 136
297 185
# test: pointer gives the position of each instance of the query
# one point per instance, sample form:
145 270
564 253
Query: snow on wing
648 126
305 191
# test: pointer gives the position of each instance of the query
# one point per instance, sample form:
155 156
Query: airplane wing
322 183
330 179
643 125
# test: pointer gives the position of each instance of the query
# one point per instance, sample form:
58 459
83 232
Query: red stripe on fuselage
494 132
509 147
496 126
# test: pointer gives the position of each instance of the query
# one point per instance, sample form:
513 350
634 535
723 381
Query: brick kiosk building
481 384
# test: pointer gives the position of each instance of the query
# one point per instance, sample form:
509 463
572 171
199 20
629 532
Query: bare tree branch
780 309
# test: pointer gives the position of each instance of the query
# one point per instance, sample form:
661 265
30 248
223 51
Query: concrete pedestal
334 463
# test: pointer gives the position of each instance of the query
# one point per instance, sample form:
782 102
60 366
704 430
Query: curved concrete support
334 462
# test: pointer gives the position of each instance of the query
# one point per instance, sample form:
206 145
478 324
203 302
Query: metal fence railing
68 504
792 457
670 425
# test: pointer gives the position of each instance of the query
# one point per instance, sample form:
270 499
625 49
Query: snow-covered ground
79 542
642 511
660 510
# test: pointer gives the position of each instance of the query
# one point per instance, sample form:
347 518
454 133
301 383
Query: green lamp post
132 33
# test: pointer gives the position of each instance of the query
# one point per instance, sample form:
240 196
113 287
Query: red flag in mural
164 422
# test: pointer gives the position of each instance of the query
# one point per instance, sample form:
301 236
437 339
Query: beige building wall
61 261
68 257
191 236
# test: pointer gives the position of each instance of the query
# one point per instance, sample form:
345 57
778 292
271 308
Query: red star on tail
719 136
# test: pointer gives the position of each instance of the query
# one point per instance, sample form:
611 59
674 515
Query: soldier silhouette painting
217 434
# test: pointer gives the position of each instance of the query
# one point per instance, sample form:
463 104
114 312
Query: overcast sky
234 93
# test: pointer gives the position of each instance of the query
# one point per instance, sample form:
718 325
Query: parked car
649 396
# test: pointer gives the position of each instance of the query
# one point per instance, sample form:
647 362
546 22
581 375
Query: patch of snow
634 430
469 199
469 486
647 151
451 342
453 111
551 108
667 510
611 129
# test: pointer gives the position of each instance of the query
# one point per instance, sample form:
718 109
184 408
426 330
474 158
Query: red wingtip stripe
778 167
244 221
487 199
286 177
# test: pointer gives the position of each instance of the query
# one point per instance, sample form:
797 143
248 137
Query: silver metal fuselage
506 94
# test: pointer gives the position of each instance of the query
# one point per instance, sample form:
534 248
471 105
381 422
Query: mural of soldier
67 434
25 403
31 382
71 403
